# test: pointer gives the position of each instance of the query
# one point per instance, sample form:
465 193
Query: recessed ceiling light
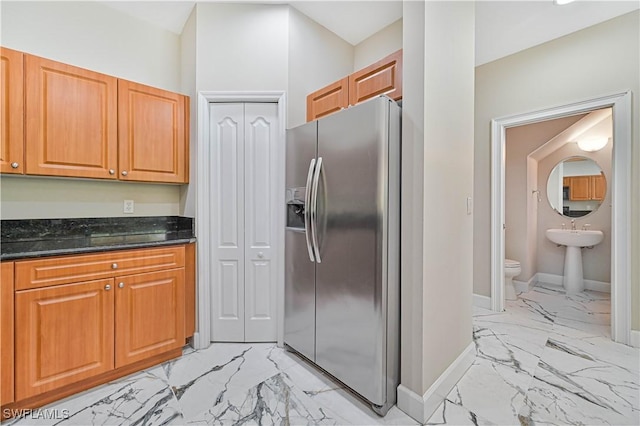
562 2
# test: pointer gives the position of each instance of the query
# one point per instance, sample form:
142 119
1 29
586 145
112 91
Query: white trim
480 301
556 280
621 205
202 338
525 286
635 339
421 408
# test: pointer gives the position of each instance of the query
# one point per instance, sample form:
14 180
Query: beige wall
317 57
596 262
377 46
437 164
606 60
520 210
93 36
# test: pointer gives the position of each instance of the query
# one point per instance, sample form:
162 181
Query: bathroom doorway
619 186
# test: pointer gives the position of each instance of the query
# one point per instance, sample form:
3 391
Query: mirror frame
551 172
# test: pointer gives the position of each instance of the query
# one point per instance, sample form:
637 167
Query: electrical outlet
128 206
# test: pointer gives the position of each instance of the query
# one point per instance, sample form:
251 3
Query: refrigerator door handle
314 210
307 205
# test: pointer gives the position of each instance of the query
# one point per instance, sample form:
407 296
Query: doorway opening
620 202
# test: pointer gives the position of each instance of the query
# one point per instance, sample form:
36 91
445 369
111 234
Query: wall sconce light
592 144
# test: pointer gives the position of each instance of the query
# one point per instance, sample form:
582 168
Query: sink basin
577 238
572 280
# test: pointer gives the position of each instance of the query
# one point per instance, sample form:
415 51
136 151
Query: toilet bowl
511 269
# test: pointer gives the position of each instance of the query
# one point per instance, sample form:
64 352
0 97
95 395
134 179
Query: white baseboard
481 301
421 408
592 285
525 286
635 338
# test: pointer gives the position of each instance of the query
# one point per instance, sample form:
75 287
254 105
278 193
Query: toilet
511 269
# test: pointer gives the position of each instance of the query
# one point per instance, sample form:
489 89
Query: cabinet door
329 99
11 111
71 121
598 187
6 333
380 78
580 188
64 334
149 315
152 135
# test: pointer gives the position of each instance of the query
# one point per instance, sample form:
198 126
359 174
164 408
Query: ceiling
502 27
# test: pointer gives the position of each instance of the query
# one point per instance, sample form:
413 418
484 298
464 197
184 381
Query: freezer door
352 214
299 307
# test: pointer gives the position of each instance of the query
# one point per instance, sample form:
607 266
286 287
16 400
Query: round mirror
576 187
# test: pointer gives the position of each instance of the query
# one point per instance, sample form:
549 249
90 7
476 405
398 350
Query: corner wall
383 43
606 58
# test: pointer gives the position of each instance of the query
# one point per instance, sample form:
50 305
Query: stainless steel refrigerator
342 247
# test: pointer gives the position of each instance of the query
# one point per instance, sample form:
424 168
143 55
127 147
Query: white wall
436 266
606 58
377 46
93 36
317 57
242 47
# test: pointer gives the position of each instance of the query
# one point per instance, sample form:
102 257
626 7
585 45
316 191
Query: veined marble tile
449 413
143 399
585 381
273 401
202 379
492 391
326 392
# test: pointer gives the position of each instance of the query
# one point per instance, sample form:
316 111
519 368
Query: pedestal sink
574 240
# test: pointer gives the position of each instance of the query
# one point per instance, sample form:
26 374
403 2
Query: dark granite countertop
21 239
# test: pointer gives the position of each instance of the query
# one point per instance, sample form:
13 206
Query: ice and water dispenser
295 207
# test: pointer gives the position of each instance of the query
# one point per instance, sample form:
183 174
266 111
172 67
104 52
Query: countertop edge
85 250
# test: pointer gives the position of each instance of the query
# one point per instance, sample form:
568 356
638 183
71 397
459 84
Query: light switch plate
128 206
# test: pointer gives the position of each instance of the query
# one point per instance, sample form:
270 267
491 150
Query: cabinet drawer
69 269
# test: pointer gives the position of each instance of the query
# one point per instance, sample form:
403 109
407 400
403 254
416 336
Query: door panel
71 120
149 315
261 136
63 334
11 111
299 293
349 281
227 198
6 333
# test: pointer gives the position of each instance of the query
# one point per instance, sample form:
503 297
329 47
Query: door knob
112 172
14 165
107 287
260 255
124 173
121 285
114 266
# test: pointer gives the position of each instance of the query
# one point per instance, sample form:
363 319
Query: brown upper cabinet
586 188
12 111
71 120
62 120
152 142
381 78
329 99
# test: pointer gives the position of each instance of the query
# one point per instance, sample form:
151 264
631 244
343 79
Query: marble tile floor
547 359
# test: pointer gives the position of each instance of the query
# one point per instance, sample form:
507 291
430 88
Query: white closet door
244 140
227 227
261 137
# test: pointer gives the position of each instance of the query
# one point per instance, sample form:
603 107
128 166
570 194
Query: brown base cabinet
82 320
6 333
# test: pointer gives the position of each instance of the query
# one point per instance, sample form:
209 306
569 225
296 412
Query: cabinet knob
15 165
107 287
121 285
260 255
114 266
112 172
124 173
